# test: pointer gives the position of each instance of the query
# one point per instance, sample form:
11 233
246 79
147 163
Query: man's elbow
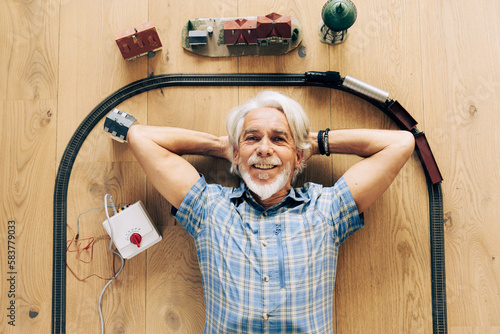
406 143
134 134
136 137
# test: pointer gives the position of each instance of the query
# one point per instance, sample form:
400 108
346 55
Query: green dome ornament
337 16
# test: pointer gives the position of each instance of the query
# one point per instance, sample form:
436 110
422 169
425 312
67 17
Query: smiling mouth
264 166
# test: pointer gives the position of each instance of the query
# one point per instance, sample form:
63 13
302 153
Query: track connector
328 78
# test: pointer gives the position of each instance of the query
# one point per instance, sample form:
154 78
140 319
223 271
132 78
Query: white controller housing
133 220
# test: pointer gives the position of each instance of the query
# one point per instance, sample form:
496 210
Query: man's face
267 150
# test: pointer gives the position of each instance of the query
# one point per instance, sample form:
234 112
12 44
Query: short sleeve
191 212
345 216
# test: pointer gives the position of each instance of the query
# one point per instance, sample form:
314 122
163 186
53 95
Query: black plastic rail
322 79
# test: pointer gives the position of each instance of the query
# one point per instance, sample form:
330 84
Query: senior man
268 252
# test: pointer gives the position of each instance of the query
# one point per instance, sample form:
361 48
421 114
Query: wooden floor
58 60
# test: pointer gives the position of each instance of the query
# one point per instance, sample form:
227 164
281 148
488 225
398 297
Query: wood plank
461 82
28 110
28 174
91 68
383 270
91 65
29 44
174 290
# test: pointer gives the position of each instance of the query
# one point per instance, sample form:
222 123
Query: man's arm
385 153
159 150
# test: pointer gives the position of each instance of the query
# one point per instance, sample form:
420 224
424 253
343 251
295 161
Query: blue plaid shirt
269 271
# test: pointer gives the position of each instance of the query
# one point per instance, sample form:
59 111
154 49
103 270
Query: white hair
294 113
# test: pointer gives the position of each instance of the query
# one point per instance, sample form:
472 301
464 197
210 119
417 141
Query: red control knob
136 239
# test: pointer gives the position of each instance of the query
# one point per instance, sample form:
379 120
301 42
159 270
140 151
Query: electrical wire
112 251
76 240
78 220
78 250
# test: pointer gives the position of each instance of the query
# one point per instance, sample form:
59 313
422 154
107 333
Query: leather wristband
326 143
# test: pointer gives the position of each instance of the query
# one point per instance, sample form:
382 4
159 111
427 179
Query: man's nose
265 148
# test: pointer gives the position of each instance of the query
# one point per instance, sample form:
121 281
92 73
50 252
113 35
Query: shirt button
265 316
264 243
266 278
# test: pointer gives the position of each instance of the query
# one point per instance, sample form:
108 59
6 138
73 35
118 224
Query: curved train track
323 79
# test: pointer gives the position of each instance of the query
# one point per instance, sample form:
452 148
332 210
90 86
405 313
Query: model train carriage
270 29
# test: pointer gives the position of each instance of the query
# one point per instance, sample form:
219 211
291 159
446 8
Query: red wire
90 245
78 251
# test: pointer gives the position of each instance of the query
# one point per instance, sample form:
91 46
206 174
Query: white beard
264 191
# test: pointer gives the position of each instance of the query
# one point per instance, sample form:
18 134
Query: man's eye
251 138
279 139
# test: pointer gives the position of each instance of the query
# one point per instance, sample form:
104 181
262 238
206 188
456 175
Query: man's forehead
278 130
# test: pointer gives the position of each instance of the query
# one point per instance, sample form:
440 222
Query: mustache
255 159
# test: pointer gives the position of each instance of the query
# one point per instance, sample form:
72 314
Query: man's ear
236 155
300 157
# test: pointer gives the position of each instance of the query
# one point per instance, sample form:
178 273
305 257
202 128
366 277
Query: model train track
322 79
